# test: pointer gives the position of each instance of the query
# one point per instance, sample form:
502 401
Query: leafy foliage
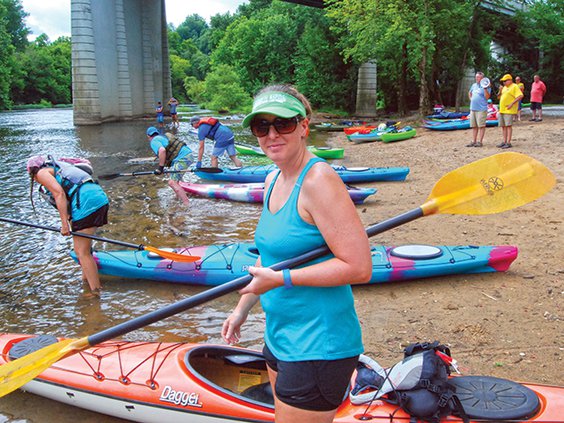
45 72
423 48
542 26
222 90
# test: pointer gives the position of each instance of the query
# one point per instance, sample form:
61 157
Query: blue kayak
448 115
222 263
452 125
349 175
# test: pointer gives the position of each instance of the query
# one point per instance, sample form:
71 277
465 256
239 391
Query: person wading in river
82 205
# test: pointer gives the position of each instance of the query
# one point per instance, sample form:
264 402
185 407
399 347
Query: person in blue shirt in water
82 205
159 110
212 129
172 153
173 104
312 335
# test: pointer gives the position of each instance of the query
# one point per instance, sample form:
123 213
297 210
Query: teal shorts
181 164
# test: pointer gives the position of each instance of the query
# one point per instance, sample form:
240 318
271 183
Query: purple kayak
254 192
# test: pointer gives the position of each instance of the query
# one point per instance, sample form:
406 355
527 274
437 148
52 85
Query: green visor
275 103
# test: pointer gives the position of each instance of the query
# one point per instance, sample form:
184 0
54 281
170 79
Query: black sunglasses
260 127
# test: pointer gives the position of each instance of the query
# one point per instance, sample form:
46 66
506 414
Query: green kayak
398 136
249 150
323 152
327 152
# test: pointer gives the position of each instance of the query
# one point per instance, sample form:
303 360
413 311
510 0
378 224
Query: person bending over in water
82 205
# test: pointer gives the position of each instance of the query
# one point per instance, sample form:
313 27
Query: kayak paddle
165 254
490 185
150 172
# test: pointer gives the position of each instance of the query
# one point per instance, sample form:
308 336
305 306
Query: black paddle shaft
94 237
237 284
152 172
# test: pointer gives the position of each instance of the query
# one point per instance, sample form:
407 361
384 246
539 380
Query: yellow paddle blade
17 373
172 255
490 185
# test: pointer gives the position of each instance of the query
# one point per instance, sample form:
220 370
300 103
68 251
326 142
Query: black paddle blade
109 176
208 170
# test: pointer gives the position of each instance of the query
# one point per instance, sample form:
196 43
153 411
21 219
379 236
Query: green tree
542 25
6 59
14 19
413 42
223 91
179 70
195 28
46 71
195 89
218 26
259 48
320 72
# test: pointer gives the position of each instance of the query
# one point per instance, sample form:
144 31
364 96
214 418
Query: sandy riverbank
506 324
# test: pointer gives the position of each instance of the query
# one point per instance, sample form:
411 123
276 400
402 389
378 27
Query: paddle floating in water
170 255
490 185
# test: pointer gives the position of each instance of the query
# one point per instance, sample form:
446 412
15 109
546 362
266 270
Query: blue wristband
287 278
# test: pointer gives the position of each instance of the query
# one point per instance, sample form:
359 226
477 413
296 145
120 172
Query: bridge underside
120 62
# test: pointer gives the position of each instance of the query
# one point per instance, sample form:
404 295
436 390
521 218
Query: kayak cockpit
238 373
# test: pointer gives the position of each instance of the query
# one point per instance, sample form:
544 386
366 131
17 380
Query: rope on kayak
125 375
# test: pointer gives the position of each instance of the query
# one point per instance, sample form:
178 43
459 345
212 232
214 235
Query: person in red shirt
538 90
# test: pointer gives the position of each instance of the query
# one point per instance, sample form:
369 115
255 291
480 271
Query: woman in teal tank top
312 336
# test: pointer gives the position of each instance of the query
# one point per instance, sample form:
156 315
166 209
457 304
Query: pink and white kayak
254 192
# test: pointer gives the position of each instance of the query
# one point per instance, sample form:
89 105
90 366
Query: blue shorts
160 119
316 385
230 148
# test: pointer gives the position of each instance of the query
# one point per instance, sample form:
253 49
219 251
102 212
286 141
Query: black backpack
432 397
418 384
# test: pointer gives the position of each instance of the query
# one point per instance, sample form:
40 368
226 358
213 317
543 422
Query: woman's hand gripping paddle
151 172
162 253
491 185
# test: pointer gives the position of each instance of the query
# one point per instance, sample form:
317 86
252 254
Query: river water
40 287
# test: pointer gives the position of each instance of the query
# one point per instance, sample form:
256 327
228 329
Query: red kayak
179 382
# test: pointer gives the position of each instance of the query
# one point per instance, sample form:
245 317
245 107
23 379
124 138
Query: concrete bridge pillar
120 65
366 90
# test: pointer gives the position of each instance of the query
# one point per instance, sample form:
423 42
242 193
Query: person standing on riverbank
478 96
174 154
508 105
522 88
82 205
312 336
538 91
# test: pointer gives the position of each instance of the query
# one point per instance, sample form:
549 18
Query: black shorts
93 220
316 385
536 106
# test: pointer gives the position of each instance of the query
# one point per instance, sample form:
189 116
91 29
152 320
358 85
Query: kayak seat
261 393
233 371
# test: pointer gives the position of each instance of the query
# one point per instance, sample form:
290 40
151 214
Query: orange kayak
180 382
360 129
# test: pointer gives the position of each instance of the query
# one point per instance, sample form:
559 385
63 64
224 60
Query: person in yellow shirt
508 108
522 88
